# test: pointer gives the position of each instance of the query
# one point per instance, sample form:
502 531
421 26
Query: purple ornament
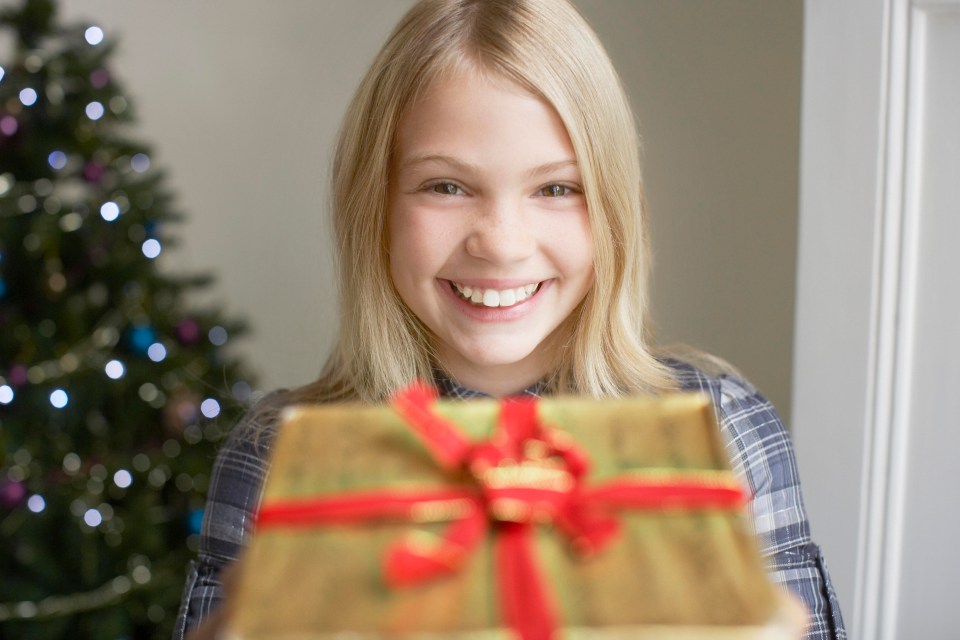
188 332
99 78
93 171
12 494
18 375
8 126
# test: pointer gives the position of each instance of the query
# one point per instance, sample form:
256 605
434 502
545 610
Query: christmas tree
114 390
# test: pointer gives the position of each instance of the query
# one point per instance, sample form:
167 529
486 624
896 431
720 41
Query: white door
877 352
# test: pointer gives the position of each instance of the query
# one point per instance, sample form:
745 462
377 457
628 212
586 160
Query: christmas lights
111 400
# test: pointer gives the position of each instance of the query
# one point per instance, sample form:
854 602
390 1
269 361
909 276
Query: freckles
417 248
574 240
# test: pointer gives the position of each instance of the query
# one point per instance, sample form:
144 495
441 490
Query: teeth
494 297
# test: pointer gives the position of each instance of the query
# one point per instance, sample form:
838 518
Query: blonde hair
546 47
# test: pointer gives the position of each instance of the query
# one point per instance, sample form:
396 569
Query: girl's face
489 238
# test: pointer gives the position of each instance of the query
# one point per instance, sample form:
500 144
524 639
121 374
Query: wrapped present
521 518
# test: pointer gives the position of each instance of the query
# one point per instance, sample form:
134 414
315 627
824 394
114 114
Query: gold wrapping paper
670 574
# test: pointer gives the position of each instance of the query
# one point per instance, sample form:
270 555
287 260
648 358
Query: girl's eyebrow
550 167
438 158
468 167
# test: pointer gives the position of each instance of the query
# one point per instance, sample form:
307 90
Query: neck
495 381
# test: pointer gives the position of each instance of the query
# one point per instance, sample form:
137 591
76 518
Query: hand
794 615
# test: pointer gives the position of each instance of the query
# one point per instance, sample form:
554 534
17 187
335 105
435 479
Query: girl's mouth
501 298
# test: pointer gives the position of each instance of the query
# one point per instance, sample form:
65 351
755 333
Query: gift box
521 518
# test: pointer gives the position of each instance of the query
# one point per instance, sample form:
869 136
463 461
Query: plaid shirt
757 442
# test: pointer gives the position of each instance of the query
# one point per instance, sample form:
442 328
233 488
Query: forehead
476 113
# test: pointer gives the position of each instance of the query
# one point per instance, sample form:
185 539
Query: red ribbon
525 474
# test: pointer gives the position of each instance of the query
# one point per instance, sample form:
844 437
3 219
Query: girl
490 228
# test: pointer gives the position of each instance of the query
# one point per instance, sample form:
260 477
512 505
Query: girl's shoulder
757 441
742 411
262 417
700 371
255 433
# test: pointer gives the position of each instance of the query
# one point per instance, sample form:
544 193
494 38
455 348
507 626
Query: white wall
841 122
878 308
927 523
716 87
242 99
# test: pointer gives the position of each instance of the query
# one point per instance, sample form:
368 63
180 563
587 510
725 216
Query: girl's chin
490 362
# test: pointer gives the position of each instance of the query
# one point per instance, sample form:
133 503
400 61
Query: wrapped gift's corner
523 518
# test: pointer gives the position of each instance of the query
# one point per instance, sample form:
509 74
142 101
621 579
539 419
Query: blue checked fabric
760 452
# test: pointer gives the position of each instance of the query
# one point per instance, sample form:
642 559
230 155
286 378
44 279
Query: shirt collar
449 388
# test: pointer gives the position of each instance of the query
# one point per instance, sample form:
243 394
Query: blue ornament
140 337
3 287
151 228
195 521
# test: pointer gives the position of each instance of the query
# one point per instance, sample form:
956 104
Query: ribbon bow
526 474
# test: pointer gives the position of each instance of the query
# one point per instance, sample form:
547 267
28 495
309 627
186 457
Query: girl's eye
445 188
556 191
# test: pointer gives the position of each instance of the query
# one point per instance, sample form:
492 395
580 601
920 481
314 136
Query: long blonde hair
546 47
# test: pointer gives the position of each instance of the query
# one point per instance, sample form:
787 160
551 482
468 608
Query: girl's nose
501 234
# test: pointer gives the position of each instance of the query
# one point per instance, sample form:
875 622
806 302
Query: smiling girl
490 228
490 242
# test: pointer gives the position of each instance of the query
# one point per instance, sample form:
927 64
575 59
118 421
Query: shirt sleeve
233 499
762 455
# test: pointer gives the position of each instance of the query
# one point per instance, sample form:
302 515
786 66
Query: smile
496 297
